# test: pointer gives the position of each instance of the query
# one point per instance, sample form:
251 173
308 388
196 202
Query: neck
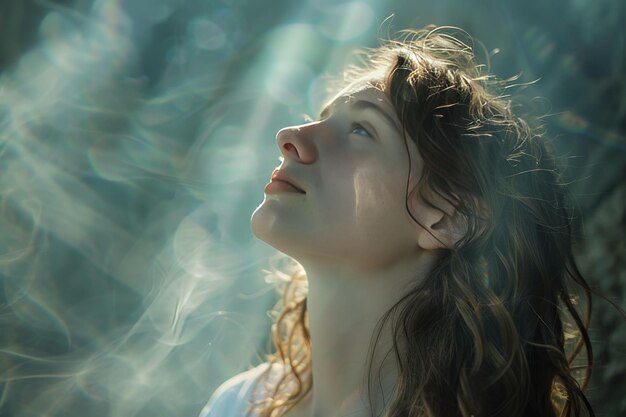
344 307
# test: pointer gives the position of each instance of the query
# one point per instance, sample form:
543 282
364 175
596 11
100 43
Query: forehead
367 88
366 94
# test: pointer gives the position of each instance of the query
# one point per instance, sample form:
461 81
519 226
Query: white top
232 397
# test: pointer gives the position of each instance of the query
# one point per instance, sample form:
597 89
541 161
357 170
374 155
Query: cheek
365 196
369 222
377 191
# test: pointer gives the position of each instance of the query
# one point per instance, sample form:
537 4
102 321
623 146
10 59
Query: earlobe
444 233
441 225
450 230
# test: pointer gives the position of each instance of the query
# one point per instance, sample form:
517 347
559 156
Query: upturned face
353 166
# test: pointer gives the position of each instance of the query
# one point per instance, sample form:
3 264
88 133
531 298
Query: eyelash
356 126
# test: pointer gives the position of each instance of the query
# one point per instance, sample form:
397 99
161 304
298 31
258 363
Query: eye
358 129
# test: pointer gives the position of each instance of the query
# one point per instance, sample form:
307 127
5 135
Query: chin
261 227
256 225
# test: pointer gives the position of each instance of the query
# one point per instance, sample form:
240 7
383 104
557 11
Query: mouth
279 176
291 185
278 186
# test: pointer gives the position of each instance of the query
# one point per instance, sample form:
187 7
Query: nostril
295 143
289 146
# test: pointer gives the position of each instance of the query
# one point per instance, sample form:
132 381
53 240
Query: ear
442 226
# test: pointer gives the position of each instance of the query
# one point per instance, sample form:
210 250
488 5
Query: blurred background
135 140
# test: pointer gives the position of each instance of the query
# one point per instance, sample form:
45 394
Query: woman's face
353 166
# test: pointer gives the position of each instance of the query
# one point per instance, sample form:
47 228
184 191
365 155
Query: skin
351 232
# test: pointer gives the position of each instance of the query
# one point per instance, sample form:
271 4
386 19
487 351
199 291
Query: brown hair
494 329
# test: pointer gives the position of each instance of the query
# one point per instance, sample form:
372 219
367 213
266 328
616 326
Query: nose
294 142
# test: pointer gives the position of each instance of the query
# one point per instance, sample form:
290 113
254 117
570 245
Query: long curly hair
500 325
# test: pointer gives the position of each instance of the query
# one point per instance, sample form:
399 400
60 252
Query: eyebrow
366 105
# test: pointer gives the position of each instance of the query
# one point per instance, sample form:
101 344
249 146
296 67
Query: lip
279 175
279 187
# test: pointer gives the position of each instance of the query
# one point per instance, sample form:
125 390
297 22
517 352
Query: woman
434 238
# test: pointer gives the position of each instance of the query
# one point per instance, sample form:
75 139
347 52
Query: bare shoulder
231 398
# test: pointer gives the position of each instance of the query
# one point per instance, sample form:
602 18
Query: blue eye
357 129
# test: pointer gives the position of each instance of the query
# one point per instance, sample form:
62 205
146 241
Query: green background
136 138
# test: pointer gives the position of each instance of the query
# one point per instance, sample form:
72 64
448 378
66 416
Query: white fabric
231 398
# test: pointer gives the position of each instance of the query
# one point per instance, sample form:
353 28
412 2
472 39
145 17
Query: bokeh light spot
297 42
